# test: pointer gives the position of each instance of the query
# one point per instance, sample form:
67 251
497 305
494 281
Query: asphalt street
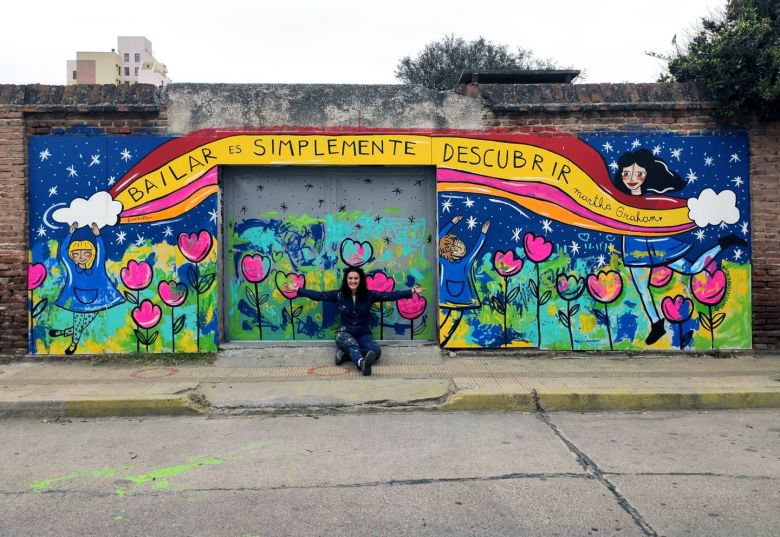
464 474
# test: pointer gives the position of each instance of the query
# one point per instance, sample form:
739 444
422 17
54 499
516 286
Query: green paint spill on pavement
45 484
121 492
162 484
173 470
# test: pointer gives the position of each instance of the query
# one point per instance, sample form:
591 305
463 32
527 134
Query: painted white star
607 147
735 158
472 222
72 171
546 226
120 237
708 161
516 234
656 150
41 231
676 153
469 202
636 143
95 160
744 228
167 232
574 248
43 155
600 261
111 180
737 181
446 206
700 234
126 155
213 215
613 165
691 176
53 191
139 241
737 254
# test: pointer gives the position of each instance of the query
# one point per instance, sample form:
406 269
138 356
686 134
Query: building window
127 56
118 71
136 71
137 57
74 75
127 71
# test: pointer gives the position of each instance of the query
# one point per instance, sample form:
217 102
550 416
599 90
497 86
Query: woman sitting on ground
354 300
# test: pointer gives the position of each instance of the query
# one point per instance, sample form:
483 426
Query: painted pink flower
678 309
660 276
36 273
606 286
411 308
136 276
147 314
355 253
195 246
506 264
172 293
709 285
569 286
282 279
537 248
380 283
255 267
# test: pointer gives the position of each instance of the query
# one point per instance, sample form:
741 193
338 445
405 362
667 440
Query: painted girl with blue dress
88 289
457 291
640 173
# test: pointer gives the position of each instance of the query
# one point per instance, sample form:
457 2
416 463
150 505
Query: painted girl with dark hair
641 173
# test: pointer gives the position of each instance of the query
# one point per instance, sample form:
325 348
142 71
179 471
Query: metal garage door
310 222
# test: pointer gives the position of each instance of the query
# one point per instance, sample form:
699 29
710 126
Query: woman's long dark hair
660 179
362 290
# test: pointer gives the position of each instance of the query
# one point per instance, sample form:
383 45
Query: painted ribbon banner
574 188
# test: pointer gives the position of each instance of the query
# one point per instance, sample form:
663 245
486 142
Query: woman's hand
417 289
74 226
485 226
457 218
95 229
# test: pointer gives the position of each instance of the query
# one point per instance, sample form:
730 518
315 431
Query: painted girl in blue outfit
88 289
457 291
640 173
354 300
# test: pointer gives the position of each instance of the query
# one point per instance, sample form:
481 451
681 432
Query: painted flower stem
197 305
609 330
147 340
381 320
138 302
173 333
292 319
32 320
506 305
411 328
712 329
679 334
568 315
259 313
538 306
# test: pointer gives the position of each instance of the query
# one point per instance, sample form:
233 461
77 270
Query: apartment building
134 63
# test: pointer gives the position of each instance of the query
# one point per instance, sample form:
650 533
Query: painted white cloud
711 208
99 208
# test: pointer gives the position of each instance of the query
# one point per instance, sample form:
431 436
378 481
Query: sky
341 41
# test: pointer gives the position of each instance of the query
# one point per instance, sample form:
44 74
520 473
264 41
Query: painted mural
103 280
607 241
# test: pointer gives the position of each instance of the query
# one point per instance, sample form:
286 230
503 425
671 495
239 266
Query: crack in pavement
593 469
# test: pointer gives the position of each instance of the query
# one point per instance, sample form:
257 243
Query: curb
98 408
569 401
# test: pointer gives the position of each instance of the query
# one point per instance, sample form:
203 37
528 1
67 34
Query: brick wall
547 109
538 109
36 109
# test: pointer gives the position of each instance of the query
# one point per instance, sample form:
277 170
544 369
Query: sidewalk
304 380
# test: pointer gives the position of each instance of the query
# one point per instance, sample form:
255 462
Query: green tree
736 56
440 63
